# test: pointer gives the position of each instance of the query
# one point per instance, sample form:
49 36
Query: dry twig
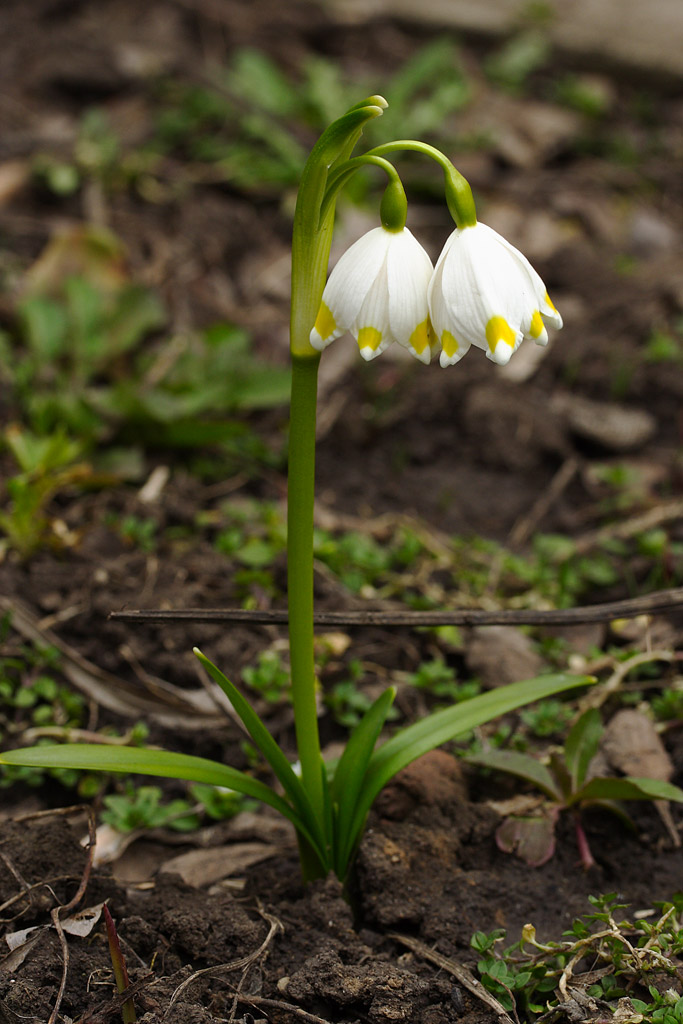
465 977
278 1004
233 965
660 602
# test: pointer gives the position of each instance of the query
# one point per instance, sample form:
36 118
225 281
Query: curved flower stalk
378 292
484 292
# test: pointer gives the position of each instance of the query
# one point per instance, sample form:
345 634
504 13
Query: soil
461 452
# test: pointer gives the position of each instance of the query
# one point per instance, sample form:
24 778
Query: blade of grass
271 751
162 763
409 744
350 775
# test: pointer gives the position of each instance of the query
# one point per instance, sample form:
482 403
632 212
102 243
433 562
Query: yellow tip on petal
497 330
449 343
419 339
369 339
325 324
550 302
537 325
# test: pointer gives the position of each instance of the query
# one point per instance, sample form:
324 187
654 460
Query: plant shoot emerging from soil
483 293
569 784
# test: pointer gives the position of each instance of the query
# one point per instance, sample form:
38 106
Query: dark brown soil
464 454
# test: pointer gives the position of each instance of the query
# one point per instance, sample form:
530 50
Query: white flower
484 292
378 292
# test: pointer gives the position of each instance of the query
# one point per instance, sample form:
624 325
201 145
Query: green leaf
350 776
162 763
409 744
563 779
85 305
263 387
137 313
255 77
629 789
45 327
581 745
273 754
521 765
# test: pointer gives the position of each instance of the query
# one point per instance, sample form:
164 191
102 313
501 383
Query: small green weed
140 532
438 679
78 361
269 678
567 784
31 694
547 718
554 571
36 704
47 466
630 964
345 700
363 564
584 93
665 347
667 706
245 125
144 807
518 58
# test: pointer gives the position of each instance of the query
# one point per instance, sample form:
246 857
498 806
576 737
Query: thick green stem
301 475
311 240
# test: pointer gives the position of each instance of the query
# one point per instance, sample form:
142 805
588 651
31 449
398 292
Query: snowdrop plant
483 293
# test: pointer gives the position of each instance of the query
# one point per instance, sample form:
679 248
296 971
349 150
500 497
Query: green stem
311 240
301 474
458 191
119 966
346 170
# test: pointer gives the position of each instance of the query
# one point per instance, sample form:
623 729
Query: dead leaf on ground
632 745
501 655
613 426
204 867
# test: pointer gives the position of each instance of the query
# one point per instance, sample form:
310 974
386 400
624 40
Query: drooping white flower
378 292
484 292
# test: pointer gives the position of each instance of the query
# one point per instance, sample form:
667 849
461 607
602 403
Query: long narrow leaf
582 745
520 765
629 788
350 775
271 751
163 763
409 744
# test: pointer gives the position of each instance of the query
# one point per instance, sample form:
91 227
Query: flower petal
484 292
453 348
371 327
409 271
348 285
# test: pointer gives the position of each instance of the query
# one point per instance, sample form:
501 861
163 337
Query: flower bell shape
484 292
378 292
